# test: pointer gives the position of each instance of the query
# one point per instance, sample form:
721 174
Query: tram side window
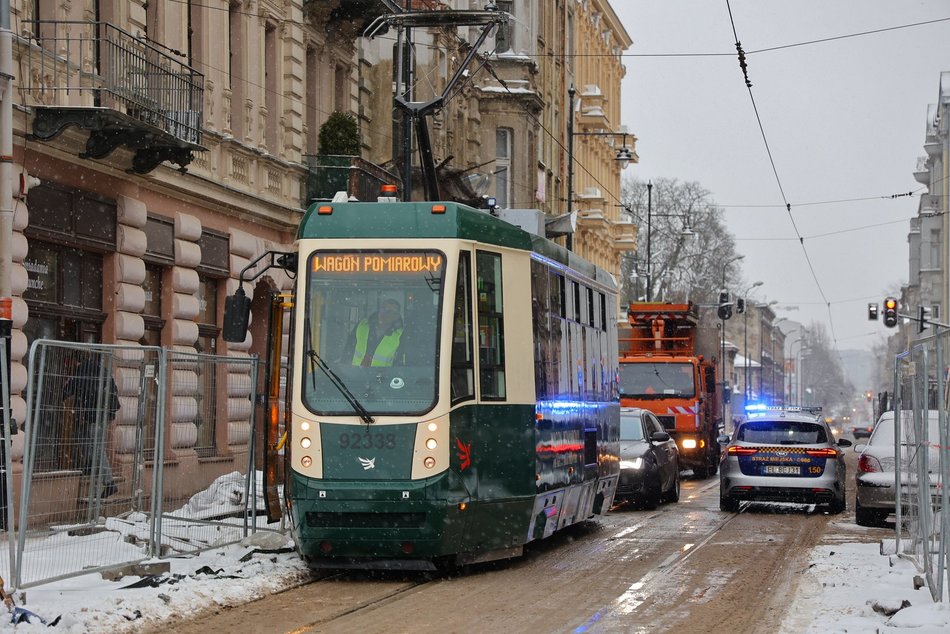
556 317
491 327
576 294
463 359
561 300
590 307
540 318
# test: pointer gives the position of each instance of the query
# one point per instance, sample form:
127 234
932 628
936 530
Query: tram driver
375 340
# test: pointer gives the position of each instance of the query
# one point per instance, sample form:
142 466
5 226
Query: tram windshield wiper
315 359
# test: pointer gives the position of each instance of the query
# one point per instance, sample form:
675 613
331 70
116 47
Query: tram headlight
689 443
431 444
429 462
306 462
305 443
432 427
304 426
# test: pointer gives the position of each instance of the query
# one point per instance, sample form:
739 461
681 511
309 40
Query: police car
782 454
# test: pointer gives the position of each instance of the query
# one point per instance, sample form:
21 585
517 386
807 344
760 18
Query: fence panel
86 404
212 397
132 452
921 442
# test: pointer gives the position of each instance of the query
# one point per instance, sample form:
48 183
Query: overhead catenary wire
788 207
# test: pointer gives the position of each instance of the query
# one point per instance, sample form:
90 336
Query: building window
71 217
504 40
272 90
935 312
935 247
48 278
65 279
342 89
503 154
213 267
152 316
312 90
160 240
208 331
237 74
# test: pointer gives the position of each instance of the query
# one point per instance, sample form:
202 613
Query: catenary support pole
6 226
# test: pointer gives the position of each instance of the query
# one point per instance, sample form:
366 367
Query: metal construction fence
132 452
922 448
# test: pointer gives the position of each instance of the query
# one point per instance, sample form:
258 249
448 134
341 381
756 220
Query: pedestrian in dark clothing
95 401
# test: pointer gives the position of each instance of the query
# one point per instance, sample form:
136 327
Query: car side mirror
659 436
723 439
844 442
860 448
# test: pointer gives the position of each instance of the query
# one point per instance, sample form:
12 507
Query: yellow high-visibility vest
385 353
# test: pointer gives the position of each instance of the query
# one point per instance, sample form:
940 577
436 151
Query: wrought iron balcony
125 90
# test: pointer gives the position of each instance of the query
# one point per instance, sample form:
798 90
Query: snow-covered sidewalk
850 586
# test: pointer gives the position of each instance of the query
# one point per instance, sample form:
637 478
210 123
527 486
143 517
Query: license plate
781 470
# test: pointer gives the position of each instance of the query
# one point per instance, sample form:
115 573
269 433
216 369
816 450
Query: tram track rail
359 607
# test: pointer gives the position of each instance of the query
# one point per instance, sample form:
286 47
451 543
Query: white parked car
875 476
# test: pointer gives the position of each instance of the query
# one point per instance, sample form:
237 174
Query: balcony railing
84 66
361 179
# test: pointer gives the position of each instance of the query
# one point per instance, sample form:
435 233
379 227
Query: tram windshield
373 317
657 379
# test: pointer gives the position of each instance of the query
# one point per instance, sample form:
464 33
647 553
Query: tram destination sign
380 263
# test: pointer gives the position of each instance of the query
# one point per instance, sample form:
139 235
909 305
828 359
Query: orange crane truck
662 370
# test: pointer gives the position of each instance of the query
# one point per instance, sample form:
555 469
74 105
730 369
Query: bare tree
683 267
823 377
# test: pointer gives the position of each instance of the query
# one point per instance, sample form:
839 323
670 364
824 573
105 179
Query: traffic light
923 318
869 395
725 306
740 306
890 312
872 312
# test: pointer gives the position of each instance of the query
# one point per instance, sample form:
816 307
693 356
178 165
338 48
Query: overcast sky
844 119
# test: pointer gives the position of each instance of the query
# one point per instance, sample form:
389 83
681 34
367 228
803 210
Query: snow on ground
261 565
848 586
852 587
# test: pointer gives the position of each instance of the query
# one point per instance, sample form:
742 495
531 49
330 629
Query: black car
649 460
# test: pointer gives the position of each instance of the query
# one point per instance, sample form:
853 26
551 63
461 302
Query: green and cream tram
454 388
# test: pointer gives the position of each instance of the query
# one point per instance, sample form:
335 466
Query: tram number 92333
355 440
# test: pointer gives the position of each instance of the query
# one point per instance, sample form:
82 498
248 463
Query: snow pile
224 495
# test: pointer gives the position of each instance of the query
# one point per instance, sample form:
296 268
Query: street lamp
791 386
745 344
624 155
649 292
722 334
795 387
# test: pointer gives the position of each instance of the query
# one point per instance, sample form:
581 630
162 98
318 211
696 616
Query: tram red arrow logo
465 454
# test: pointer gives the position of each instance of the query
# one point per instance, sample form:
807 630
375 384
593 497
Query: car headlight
636 463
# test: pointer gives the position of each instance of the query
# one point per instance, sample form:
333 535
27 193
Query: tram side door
276 403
